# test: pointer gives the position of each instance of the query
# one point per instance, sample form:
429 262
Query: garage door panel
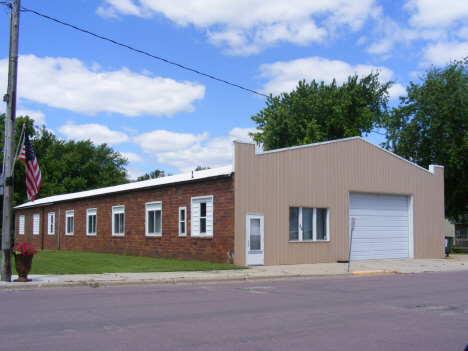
395 212
388 222
379 255
370 234
381 226
395 244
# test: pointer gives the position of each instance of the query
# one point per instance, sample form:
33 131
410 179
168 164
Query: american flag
22 155
33 173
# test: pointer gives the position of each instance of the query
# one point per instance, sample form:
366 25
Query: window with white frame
69 222
154 218
91 216
118 220
202 216
51 223
21 225
308 224
183 221
36 220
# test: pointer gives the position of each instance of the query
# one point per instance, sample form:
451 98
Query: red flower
25 249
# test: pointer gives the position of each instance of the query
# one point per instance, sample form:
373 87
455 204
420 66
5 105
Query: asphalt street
375 312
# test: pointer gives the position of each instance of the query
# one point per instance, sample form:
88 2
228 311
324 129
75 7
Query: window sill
159 236
91 234
206 237
118 235
310 241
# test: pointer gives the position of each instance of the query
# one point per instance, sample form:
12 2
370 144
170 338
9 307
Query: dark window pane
119 223
151 222
321 223
202 225
157 215
69 225
255 242
203 209
307 223
293 223
182 227
182 215
122 217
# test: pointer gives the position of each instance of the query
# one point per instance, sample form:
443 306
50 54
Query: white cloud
241 134
132 131
440 53
162 140
387 33
132 157
124 7
37 116
436 13
187 151
97 133
68 84
247 27
133 172
284 76
216 153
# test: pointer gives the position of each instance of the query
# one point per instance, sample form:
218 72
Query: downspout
58 229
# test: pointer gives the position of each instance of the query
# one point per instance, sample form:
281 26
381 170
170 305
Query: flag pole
9 145
19 146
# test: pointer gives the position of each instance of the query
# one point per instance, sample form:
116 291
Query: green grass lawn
71 262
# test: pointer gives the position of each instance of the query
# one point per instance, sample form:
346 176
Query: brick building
286 206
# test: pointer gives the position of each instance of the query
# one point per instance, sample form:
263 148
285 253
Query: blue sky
163 117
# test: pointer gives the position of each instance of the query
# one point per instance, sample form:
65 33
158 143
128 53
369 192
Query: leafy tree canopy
200 168
430 126
318 112
152 175
65 166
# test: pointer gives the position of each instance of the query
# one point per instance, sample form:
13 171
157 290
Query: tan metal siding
323 176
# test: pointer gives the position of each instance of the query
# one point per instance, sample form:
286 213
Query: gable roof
430 170
168 180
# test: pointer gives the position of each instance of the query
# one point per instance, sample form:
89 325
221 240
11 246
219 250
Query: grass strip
72 262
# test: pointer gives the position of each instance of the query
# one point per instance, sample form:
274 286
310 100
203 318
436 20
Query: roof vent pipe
192 174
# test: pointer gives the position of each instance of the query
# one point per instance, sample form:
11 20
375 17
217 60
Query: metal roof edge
401 158
307 145
337 141
164 181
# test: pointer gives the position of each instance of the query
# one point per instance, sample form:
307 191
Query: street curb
375 272
173 281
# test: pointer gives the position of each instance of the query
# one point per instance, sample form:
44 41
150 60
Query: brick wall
219 248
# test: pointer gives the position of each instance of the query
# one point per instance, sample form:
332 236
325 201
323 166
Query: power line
145 53
160 58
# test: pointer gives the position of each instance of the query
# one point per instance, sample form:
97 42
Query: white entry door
254 236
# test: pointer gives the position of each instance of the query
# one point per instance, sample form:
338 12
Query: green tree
66 166
318 112
430 126
200 168
152 175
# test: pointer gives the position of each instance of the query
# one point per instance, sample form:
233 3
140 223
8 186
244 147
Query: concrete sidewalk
453 263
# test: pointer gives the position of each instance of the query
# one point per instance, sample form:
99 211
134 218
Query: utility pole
9 145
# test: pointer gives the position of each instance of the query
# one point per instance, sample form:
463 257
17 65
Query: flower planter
23 266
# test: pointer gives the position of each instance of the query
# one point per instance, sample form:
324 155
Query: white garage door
381 226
